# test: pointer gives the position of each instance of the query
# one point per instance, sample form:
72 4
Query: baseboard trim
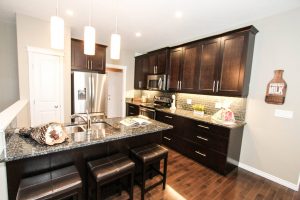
270 177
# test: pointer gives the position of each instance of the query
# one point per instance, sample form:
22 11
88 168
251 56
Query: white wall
126 59
272 144
36 33
9 85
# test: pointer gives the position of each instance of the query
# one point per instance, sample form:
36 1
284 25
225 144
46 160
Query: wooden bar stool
147 156
109 169
58 184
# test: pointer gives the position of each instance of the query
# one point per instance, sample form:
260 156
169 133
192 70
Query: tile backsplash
237 105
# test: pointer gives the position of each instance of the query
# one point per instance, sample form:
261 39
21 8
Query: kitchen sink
75 129
99 125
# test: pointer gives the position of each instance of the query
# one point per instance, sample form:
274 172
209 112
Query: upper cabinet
175 67
158 61
218 65
82 62
140 72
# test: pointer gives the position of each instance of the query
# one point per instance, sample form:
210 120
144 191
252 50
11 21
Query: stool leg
98 191
165 172
131 184
143 184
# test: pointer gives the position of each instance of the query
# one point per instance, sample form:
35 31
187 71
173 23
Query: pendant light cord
116 13
57 8
90 16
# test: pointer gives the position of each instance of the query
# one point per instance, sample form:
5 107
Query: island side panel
18 169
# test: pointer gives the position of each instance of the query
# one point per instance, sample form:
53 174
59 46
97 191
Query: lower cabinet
132 109
214 146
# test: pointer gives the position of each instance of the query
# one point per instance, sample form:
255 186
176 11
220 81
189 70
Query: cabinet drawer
207 157
132 110
206 139
208 128
168 118
170 140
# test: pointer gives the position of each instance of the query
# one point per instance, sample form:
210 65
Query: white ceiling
153 18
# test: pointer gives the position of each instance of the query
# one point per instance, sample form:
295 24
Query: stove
148 109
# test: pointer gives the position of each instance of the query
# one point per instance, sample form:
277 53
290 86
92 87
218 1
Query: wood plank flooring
190 180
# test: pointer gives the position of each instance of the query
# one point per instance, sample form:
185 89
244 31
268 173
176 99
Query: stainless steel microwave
157 82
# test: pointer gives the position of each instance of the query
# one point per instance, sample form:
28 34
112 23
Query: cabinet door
189 75
174 69
140 72
97 62
78 58
231 72
152 58
209 55
162 61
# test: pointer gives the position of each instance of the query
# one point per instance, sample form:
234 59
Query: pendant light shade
89 40
57 27
115 44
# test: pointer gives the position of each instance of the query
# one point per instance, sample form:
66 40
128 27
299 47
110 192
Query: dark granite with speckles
18 147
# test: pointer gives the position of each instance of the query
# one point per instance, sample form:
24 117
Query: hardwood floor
190 180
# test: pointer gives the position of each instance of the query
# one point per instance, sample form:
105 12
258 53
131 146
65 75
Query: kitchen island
24 157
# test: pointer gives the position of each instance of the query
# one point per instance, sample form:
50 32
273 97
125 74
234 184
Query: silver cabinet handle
202 138
201 126
214 86
56 106
131 113
167 138
131 107
217 86
91 64
140 84
178 85
168 117
201 154
88 65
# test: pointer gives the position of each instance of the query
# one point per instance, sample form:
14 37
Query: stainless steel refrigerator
89 92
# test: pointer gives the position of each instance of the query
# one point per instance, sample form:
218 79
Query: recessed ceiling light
70 12
138 34
178 14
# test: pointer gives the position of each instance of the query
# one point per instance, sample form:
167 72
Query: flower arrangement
199 109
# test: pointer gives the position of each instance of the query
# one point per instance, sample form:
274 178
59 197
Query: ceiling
155 19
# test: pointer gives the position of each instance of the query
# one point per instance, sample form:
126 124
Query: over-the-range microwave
157 82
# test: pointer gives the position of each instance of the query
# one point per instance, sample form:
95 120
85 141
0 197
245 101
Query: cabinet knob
56 106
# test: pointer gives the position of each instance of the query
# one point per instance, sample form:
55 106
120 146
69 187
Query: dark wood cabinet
140 72
175 65
132 110
189 77
235 66
82 62
209 55
158 61
214 146
78 58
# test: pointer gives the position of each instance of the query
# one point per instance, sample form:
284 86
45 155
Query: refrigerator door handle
93 93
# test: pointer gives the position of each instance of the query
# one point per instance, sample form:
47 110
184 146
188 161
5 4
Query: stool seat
50 185
105 168
149 152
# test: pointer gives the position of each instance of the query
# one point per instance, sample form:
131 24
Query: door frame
50 52
124 69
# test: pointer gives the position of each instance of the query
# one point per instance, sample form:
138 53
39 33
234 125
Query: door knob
56 106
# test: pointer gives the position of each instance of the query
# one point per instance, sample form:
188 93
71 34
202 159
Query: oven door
150 113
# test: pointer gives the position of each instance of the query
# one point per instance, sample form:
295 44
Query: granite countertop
18 147
190 115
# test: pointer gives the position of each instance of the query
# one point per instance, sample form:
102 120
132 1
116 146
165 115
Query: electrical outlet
218 105
284 114
189 101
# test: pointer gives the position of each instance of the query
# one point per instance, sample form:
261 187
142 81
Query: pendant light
115 43
89 36
57 30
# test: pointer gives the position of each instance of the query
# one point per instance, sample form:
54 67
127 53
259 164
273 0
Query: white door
45 89
114 94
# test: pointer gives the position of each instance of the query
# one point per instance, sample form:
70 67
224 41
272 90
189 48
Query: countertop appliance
157 82
89 91
149 109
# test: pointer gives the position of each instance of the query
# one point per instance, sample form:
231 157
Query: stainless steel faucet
85 117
